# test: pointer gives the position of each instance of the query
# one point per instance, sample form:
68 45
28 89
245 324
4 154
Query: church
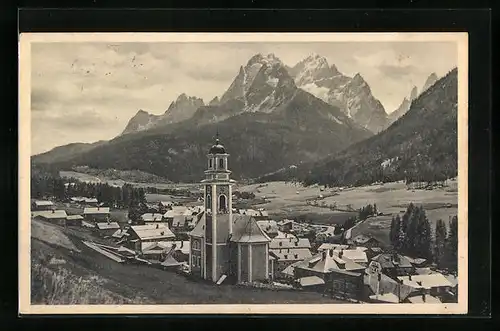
224 244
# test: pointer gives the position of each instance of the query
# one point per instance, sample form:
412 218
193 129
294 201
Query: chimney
98 207
423 297
182 244
157 226
331 252
341 253
53 211
409 277
324 255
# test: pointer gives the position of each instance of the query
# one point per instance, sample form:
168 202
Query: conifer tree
440 242
452 243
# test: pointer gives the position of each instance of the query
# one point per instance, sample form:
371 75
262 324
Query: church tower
218 215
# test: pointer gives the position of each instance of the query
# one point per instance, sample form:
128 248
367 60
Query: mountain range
419 146
271 117
272 123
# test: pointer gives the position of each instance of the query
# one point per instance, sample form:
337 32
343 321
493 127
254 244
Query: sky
88 91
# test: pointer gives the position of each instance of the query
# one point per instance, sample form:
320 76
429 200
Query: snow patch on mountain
319 92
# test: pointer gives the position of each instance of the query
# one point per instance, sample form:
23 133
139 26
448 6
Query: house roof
119 233
96 210
387 261
419 299
327 262
170 261
426 281
387 285
152 217
43 203
311 281
74 217
166 245
290 242
326 246
166 203
386 297
107 226
282 235
356 255
50 214
289 269
291 254
152 231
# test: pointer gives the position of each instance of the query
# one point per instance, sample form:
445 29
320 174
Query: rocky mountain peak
214 102
413 93
430 81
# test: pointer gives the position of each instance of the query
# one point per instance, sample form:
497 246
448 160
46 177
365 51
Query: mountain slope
352 95
179 110
65 152
303 130
420 146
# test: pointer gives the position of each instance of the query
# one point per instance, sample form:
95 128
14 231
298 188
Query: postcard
229 173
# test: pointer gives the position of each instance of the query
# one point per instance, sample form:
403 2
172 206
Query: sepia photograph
243 173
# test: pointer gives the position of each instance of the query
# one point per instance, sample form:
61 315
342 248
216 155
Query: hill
419 146
65 152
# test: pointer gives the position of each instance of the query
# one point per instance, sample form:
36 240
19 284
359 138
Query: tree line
62 189
411 235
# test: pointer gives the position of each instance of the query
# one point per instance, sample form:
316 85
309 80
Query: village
211 239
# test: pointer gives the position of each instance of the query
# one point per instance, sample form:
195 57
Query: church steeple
218 203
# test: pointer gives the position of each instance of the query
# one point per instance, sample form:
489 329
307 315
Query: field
111 282
289 200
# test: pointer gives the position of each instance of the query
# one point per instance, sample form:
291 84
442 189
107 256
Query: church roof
245 229
217 148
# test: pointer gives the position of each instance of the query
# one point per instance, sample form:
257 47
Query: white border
25 41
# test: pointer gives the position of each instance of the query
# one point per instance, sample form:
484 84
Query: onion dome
217 148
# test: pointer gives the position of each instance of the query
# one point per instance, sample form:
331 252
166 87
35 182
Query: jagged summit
314 75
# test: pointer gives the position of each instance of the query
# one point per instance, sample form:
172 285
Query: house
74 220
422 298
325 234
119 234
435 284
106 229
138 235
53 216
328 246
167 204
96 214
286 251
380 288
365 241
91 202
342 276
158 250
283 235
269 226
183 222
285 225
150 218
312 283
42 205
394 265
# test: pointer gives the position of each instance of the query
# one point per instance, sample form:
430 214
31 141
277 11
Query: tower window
222 203
210 163
221 163
208 202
